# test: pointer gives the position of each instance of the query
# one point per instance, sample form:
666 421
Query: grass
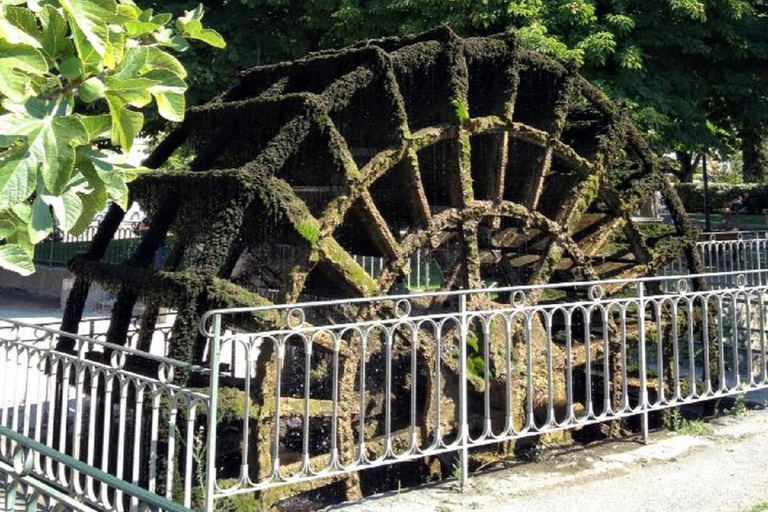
739 406
697 427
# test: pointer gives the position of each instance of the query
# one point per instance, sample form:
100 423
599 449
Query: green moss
462 110
231 405
342 261
309 231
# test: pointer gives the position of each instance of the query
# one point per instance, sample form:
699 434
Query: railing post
758 243
642 355
464 432
215 351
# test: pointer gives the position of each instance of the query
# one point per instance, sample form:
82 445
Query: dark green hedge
692 195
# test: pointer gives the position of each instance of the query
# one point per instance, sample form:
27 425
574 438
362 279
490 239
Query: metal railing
407 377
725 254
96 327
107 406
21 490
353 384
707 236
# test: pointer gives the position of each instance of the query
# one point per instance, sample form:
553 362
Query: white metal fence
107 406
21 490
728 254
418 375
335 387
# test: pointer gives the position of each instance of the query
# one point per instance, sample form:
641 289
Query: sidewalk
724 471
28 308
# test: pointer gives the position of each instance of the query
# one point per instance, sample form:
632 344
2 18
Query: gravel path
726 471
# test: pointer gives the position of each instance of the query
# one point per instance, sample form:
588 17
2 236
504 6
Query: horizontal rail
33 448
50 331
457 293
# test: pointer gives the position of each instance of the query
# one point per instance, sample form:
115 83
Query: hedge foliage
720 194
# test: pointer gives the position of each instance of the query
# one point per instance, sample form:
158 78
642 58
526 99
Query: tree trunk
754 147
688 165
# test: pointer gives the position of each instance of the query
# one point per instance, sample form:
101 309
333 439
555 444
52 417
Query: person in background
736 204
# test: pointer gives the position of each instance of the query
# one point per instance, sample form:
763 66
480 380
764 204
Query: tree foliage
74 78
693 72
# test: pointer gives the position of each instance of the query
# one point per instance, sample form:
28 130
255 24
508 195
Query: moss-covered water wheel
500 164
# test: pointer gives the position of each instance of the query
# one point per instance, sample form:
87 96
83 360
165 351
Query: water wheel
493 163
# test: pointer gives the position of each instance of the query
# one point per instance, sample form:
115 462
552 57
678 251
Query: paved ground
725 471
23 306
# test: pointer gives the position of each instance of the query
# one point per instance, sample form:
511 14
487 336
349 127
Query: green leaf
473 344
692 8
126 13
98 127
126 124
7 227
191 27
18 185
71 68
92 202
631 58
167 38
598 46
162 18
109 170
89 20
18 63
150 72
67 208
119 84
91 208
158 59
15 258
137 28
134 97
56 42
91 90
169 94
42 222
23 19
23 212
13 34
50 137
171 106
623 23
116 46
141 60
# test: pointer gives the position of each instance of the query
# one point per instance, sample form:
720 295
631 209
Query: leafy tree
692 71
76 75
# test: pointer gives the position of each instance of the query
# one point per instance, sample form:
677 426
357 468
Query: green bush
692 195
